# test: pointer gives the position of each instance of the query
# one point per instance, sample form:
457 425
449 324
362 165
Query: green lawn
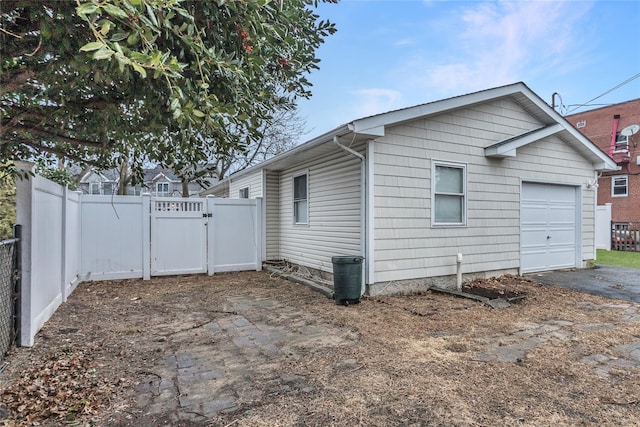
621 258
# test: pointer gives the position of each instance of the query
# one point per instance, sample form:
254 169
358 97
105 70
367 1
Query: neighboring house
99 182
496 175
612 129
157 182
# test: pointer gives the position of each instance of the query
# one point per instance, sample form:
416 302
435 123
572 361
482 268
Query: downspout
362 204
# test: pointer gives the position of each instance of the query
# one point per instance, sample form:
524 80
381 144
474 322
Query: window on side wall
107 188
162 188
449 188
243 193
300 199
622 143
94 188
619 186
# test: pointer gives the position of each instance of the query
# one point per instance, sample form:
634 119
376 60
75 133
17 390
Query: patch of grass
621 258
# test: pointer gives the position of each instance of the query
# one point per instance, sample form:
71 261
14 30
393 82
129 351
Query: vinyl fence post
258 232
63 244
24 217
146 236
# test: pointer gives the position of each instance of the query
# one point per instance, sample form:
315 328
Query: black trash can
347 279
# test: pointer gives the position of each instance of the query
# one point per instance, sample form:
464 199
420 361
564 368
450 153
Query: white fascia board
322 139
605 162
375 123
509 149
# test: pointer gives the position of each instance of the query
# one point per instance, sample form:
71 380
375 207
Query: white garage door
548 227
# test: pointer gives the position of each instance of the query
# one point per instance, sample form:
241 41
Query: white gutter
363 205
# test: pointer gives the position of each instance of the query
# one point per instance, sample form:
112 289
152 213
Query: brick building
606 128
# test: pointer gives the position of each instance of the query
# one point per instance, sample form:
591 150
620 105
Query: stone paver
209 379
514 346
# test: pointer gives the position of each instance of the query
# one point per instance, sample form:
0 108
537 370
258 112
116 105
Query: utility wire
630 79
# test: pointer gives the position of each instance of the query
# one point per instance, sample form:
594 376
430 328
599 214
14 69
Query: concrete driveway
603 280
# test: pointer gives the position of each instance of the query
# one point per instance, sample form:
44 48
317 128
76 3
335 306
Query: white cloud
375 101
502 42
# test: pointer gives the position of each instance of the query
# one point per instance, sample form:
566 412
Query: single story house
497 176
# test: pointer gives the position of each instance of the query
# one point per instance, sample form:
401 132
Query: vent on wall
581 124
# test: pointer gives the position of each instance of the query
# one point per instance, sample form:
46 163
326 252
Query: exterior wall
407 247
334 211
597 125
252 180
272 206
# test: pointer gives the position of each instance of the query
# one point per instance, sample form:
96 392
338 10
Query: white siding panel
334 211
407 247
252 180
272 204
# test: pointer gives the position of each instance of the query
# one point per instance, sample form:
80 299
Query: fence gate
178 236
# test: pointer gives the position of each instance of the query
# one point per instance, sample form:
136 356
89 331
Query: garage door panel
548 227
565 215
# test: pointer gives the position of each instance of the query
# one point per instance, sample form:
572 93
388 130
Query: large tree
168 81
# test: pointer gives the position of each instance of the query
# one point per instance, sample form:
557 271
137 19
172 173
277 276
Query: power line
630 79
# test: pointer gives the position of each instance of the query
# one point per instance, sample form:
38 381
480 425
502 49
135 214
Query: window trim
293 192
96 186
241 190
621 146
164 193
626 185
463 166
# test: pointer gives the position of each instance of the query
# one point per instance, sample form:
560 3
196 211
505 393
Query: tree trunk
124 177
185 187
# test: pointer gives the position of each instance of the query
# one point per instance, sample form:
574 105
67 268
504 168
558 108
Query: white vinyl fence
69 237
603 226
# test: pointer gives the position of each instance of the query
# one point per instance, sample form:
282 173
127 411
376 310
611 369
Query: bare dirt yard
248 349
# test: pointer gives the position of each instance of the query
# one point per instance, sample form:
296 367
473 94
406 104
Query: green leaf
198 113
119 37
92 46
139 69
103 53
114 10
152 15
86 9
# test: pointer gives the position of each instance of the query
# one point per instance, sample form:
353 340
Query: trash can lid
349 259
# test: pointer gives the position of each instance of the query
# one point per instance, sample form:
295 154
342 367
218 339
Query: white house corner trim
369 212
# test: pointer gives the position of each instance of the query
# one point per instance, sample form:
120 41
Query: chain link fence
8 294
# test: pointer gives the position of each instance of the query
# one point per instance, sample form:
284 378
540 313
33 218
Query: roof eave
319 140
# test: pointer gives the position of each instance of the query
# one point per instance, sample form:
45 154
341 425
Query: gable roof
375 126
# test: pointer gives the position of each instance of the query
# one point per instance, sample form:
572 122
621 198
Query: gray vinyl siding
408 247
252 180
272 202
334 211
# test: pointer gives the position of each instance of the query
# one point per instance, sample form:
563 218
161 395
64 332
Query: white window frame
162 193
94 186
106 185
614 186
293 193
622 143
463 166
243 193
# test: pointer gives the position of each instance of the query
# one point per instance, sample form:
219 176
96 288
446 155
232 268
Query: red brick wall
598 128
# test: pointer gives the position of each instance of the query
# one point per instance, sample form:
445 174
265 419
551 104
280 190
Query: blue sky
391 54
